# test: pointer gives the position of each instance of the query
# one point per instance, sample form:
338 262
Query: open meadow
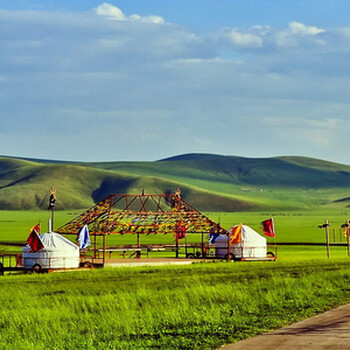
200 306
197 306
291 226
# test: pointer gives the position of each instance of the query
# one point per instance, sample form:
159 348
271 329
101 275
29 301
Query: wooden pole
228 248
327 238
202 245
347 236
176 244
138 253
104 249
52 219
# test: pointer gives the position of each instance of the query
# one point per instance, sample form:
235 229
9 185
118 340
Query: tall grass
201 306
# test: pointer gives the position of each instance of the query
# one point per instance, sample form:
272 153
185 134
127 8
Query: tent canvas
252 245
58 253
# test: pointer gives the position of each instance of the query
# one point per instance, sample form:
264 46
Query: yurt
58 253
252 245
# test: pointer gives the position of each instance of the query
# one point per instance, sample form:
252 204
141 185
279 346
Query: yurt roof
54 241
250 236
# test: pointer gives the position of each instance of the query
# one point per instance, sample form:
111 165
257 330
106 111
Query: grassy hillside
209 182
275 172
25 185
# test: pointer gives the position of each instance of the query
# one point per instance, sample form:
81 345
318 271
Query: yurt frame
141 214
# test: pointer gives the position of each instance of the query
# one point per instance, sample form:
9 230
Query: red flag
180 230
236 235
34 239
268 227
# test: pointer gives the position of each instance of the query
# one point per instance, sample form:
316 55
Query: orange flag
236 235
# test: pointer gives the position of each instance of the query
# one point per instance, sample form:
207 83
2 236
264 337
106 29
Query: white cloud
114 13
298 35
300 28
261 30
265 37
152 19
245 39
110 11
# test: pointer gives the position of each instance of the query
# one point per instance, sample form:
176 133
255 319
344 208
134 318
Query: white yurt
58 253
252 245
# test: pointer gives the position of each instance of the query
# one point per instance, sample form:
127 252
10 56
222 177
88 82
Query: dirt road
148 262
330 330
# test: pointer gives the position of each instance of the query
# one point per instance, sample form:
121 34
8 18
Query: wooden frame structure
141 214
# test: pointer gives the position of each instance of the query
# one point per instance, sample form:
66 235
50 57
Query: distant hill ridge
208 181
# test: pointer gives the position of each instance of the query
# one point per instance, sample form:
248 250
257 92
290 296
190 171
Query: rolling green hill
286 172
209 182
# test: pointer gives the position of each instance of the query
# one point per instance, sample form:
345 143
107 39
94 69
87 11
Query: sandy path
330 330
148 262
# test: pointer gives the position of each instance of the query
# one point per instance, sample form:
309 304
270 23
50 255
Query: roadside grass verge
200 306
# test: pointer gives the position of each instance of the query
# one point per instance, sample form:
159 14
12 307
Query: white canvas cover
58 253
252 245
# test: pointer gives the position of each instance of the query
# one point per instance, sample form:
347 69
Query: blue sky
142 80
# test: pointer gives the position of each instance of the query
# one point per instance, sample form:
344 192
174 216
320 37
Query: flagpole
95 246
52 202
274 237
347 237
177 244
202 244
138 252
52 219
104 249
229 248
327 238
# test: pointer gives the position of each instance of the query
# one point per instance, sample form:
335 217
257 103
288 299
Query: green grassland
291 226
200 306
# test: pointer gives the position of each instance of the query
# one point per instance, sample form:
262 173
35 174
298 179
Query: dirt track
148 262
330 330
